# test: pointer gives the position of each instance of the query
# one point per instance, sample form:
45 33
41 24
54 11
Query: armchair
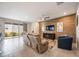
37 44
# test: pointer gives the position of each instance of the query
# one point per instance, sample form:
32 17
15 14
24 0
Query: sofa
65 42
36 44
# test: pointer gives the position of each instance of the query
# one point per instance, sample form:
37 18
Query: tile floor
16 48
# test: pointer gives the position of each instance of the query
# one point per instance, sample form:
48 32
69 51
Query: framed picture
60 27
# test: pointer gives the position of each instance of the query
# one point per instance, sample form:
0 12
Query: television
50 28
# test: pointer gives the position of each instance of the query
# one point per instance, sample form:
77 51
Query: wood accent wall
68 24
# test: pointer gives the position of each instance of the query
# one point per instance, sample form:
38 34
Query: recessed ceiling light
64 13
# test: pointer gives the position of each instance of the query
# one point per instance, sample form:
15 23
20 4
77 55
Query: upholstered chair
37 44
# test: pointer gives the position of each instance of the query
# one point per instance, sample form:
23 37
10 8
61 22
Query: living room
51 27
46 31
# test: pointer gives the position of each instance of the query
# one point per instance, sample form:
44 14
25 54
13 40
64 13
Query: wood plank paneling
68 24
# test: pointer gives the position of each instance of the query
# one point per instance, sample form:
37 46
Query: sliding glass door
8 30
20 30
13 30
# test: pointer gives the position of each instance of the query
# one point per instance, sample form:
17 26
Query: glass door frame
18 25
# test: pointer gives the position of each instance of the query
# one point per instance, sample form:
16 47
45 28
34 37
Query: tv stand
49 36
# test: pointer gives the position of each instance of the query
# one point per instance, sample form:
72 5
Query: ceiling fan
44 18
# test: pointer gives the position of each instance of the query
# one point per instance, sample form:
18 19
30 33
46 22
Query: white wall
25 27
29 27
33 27
77 27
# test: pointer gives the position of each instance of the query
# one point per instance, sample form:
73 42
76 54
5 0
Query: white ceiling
33 11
